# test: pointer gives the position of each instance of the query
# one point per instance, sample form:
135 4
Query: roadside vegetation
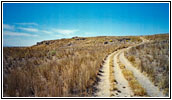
153 60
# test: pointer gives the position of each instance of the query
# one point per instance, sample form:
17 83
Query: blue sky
24 24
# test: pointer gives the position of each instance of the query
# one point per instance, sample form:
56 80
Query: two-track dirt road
123 88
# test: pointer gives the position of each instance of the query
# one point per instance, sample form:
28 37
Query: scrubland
152 59
64 67
69 67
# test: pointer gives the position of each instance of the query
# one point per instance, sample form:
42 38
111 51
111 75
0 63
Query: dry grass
136 87
65 67
111 74
153 60
131 59
157 37
74 71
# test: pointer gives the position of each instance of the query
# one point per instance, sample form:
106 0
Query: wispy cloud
8 27
59 36
65 32
47 32
88 33
29 29
27 24
10 33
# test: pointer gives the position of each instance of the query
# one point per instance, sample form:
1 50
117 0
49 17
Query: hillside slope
55 68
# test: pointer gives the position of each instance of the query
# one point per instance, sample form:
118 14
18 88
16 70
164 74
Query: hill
70 67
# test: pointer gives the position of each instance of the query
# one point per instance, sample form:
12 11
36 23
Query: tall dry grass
66 67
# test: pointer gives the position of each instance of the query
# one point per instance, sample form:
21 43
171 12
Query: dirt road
123 88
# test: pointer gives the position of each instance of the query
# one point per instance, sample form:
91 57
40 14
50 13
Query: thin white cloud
59 36
8 27
47 32
65 32
29 29
18 34
88 33
27 24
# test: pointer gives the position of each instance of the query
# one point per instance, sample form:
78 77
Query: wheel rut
151 90
121 84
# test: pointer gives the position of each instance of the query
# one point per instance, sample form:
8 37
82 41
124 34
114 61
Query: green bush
53 53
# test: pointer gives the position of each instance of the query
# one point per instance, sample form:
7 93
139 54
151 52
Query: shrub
131 58
53 53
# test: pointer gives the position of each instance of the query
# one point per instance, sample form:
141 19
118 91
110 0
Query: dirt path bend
104 84
122 84
152 90
123 89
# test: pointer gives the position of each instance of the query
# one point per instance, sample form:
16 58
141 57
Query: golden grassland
58 68
65 67
157 37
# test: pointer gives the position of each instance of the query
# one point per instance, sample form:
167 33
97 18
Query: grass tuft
136 87
111 74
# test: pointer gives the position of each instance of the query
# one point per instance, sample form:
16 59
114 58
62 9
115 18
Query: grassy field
60 68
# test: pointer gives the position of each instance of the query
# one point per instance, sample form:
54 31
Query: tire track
123 88
103 88
122 84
